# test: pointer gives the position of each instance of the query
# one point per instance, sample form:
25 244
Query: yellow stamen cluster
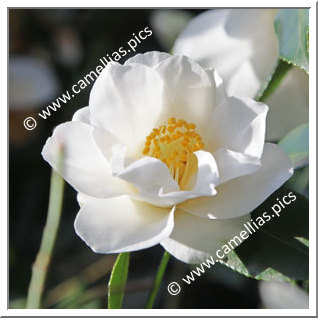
173 144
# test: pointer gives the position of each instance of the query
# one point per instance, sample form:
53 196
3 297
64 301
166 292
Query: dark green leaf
296 145
291 27
117 282
276 251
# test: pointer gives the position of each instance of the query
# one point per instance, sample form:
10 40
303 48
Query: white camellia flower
163 155
242 46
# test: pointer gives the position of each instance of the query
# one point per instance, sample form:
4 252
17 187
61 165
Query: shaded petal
105 140
83 115
233 164
239 124
126 100
207 179
193 93
282 295
212 37
152 58
288 105
189 88
195 239
149 174
84 166
242 195
121 224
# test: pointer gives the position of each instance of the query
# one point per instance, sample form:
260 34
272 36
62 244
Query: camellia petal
121 224
127 109
242 195
240 43
239 124
194 239
84 166
207 178
151 174
233 164
289 104
83 115
150 59
161 134
251 35
189 88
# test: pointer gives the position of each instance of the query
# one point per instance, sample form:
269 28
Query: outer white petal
239 124
207 179
193 93
127 101
84 166
233 164
189 88
194 239
288 105
242 195
105 140
121 224
83 115
240 43
149 174
152 58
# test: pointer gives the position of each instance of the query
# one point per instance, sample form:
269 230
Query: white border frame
312 158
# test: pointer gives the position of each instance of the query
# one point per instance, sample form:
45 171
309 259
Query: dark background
78 277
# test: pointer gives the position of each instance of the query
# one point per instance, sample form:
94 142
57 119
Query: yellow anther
171 129
173 144
168 139
184 143
178 165
146 150
171 121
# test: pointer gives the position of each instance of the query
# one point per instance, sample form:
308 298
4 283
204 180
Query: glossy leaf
296 145
291 26
277 250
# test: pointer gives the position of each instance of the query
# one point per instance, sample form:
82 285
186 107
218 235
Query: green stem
271 86
43 258
158 279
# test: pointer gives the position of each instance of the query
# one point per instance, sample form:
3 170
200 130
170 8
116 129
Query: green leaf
277 250
291 26
160 272
274 80
296 145
117 282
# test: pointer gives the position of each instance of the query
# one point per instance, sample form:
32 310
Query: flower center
174 145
